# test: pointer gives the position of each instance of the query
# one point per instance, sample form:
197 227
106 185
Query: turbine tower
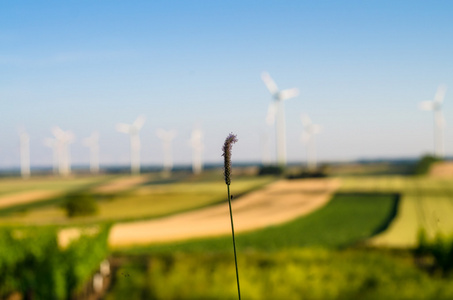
52 143
439 122
276 110
133 130
196 143
308 138
63 139
24 154
92 142
166 137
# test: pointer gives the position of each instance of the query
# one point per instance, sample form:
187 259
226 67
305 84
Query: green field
425 203
324 255
312 257
347 219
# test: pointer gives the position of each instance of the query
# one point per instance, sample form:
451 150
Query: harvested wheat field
276 203
26 197
121 184
441 169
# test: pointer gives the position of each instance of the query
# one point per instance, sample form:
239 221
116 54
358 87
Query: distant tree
271 170
80 204
424 163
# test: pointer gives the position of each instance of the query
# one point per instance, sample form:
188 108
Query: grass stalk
234 242
227 146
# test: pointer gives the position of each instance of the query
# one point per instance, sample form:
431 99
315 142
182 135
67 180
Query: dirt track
274 204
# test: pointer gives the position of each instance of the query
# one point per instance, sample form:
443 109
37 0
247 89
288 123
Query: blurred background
113 117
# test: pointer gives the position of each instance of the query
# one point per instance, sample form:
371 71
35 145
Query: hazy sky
362 67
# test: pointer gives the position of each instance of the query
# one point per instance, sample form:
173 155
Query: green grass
309 273
345 220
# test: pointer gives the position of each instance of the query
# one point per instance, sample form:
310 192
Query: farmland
145 197
319 256
336 250
425 203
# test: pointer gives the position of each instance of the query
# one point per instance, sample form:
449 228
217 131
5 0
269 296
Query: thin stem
234 242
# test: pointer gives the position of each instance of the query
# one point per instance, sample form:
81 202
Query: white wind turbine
133 130
276 110
196 143
308 138
92 142
166 137
439 122
63 139
53 144
24 154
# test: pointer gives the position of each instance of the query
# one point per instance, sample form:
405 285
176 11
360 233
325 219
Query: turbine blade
306 121
172 134
122 127
197 134
426 105
166 135
270 83
139 122
161 133
317 128
24 136
58 132
305 137
440 94
271 111
92 140
196 138
289 93
69 137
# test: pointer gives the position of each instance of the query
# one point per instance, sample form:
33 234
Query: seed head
227 146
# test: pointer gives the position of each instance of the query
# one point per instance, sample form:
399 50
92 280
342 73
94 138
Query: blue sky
361 67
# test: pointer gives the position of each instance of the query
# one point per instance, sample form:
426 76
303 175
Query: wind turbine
196 143
166 137
439 121
133 130
24 154
92 142
63 138
276 111
53 144
308 138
